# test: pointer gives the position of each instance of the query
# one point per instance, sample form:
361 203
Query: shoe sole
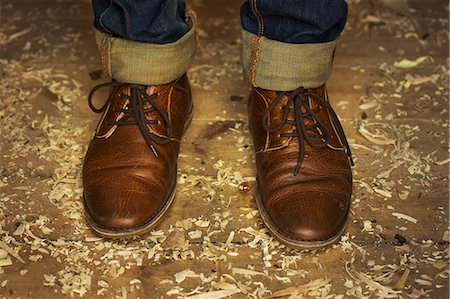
138 230
297 244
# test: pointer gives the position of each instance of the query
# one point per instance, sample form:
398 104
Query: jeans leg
150 21
147 42
295 21
290 43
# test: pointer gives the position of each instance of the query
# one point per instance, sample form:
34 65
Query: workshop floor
389 86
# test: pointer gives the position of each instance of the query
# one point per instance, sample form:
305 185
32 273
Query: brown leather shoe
130 169
304 179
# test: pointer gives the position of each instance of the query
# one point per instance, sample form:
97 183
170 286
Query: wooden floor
389 86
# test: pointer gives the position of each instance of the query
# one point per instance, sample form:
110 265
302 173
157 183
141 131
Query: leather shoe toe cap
308 216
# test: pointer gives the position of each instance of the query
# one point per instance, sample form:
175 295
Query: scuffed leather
313 205
125 184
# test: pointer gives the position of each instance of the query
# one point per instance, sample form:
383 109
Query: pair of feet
304 180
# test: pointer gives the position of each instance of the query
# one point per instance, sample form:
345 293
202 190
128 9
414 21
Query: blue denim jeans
149 21
285 44
162 21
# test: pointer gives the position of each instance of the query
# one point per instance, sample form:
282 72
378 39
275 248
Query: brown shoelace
308 125
135 112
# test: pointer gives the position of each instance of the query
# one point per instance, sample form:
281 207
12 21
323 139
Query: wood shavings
45 124
186 224
218 128
49 280
11 251
202 223
442 162
295 290
405 217
348 283
406 63
174 291
226 176
3 254
423 282
246 272
5 260
446 236
382 192
369 105
222 285
176 241
283 279
182 275
383 291
403 195
18 34
19 230
35 257
418 80
215 294
75 283
375 138
196 234
367 226
230 238
103 284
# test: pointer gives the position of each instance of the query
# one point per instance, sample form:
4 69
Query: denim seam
259 16
101 17
256 43
106 55
191 14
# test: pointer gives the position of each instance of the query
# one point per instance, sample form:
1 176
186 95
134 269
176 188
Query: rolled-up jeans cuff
275 65
145 63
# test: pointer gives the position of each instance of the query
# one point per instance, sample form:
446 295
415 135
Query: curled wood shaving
222 285
423 282
369 105
361 146
11 251
442 162
245 271
230 238
383 192
406 63
313 285
215 294
374 138
18 34
405 217
182 275
5 261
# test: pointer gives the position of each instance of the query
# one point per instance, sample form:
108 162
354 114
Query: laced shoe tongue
285 103
302 110
137 107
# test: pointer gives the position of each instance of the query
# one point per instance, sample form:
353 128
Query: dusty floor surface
389 86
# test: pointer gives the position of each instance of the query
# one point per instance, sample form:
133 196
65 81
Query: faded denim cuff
275 65
144 63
